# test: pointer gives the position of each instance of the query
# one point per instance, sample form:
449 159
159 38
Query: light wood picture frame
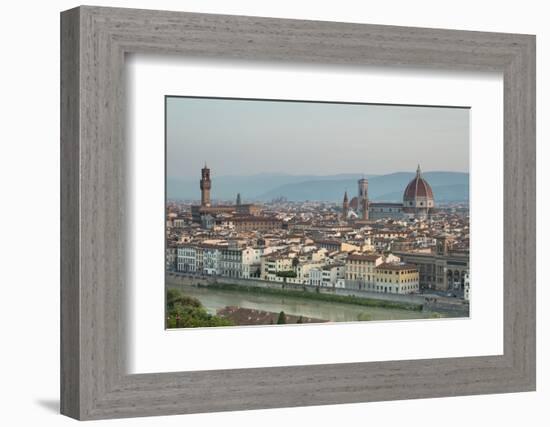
94 42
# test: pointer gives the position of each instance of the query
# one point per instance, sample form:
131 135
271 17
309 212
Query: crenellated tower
206 185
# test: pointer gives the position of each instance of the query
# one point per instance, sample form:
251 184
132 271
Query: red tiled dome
418 188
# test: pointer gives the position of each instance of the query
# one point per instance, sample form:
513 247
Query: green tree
174 296
187 312
282 318
300 320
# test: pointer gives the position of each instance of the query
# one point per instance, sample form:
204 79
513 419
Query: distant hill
447 186
250 187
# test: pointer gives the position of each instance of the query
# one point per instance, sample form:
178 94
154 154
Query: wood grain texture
70 221
94 381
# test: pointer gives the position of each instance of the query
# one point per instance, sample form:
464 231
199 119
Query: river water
214 299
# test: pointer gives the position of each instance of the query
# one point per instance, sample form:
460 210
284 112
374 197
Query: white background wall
29 212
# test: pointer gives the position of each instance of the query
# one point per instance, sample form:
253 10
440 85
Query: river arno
215 299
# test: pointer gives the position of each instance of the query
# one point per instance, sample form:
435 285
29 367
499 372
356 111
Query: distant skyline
248 137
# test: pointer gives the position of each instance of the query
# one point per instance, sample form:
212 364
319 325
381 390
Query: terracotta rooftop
396 267
363 257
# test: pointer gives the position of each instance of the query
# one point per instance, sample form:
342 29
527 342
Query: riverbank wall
453 307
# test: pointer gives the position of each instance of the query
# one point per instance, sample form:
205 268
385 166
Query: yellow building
360 268
396 278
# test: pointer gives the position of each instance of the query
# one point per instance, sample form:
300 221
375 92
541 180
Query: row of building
312 265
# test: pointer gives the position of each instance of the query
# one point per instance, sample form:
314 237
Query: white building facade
187 259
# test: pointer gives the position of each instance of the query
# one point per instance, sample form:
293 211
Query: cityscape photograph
303 212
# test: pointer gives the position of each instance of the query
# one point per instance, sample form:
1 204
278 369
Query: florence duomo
418 202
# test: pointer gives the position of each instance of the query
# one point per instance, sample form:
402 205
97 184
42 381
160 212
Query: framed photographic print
293 246
285 213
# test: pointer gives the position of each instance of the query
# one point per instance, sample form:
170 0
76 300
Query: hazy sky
242 137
